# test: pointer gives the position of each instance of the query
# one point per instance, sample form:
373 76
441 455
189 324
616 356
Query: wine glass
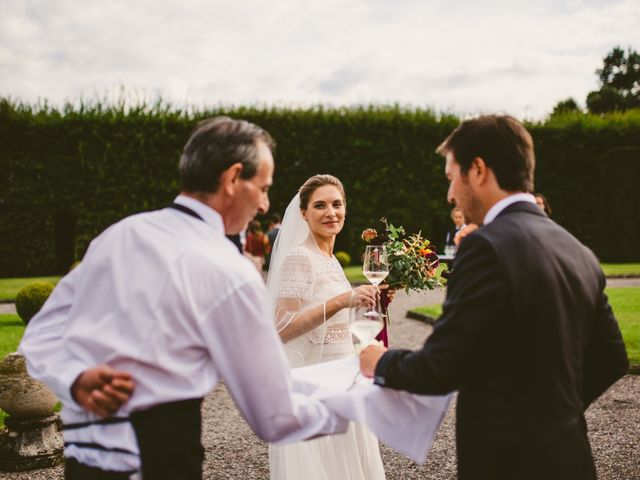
365 323
375 265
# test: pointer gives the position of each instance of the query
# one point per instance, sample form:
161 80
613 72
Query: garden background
68 174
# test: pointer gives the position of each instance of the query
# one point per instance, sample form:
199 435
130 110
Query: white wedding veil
293 231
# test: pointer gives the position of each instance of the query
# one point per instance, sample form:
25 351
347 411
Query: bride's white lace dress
307 278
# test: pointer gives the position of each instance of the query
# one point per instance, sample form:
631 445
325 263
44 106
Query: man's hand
369 357
102 390
472 227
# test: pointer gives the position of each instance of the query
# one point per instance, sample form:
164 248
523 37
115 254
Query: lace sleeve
295 287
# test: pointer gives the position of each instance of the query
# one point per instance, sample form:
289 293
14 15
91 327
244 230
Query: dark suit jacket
529 340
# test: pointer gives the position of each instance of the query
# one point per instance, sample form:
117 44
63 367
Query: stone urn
31 437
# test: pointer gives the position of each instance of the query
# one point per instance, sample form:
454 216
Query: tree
619 83
565 106
607 99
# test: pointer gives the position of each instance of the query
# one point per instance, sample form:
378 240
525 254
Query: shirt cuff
66 377
383 374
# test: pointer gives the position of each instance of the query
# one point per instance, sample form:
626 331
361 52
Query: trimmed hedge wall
68 175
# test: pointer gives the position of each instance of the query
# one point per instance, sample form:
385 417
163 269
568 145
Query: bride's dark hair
315 182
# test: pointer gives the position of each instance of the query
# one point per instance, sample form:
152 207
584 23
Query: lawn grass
9 287
626 306
433 311
625 302
621 269
11 330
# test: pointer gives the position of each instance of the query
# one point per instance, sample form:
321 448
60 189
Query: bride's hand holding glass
366 319
362 296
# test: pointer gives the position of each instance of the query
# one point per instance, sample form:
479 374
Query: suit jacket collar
526 207
500 205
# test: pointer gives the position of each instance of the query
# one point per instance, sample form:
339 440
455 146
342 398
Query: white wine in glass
376 268
366 326
375 265
375 278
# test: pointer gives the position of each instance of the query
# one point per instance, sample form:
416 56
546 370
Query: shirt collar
500 205
208 214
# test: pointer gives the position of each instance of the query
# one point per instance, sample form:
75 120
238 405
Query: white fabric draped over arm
250 358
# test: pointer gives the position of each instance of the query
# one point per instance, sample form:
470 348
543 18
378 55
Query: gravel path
7 308
234 452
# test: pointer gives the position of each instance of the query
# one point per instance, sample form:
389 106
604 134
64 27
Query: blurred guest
274 228
272 234
257 245
464 231
458 222
542 202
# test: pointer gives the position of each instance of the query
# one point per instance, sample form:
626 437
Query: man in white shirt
165 297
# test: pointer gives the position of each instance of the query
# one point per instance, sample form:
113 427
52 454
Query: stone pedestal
31 437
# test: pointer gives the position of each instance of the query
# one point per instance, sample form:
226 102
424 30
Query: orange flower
369 234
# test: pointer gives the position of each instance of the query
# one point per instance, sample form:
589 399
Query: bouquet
412 259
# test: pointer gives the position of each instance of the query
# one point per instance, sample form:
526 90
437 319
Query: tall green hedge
66 175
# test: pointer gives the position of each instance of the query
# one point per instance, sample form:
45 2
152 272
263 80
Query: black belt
94 445
103 421
168 438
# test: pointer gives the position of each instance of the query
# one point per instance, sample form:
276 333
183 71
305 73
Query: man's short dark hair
215 145
504 145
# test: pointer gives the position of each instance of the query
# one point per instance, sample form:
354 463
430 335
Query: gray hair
215 145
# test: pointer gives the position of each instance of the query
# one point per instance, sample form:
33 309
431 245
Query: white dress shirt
500 205
167 298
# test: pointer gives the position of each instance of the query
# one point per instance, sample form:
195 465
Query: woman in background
458 224
257 245
542 202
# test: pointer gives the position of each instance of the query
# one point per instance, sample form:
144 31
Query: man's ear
230 177
479 170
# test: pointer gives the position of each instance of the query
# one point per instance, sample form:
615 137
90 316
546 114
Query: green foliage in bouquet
412 260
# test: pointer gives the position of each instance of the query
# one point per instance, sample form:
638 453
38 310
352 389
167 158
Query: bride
311 296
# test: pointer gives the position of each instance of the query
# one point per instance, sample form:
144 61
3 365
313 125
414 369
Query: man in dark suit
527 335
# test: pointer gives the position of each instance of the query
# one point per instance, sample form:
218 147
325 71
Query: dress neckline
312 245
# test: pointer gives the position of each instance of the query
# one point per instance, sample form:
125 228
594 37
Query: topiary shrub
30 299
344 258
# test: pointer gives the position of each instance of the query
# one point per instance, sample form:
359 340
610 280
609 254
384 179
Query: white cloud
514 56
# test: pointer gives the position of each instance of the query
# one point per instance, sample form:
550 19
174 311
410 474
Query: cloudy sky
464 57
